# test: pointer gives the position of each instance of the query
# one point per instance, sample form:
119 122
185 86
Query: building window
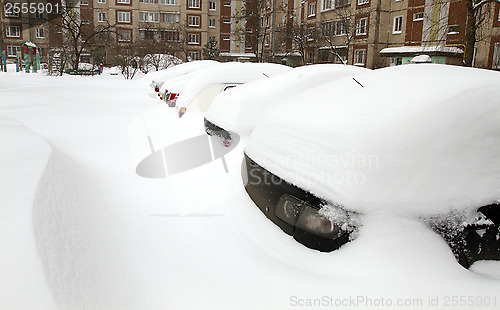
170 17
193 21
398 25
167 2
361 2
453 29
149 17
496 56
170 35
341 3
312 9
123 1
226 21
194 55
13 31
327 5
359 57
101 1
266 41
211 22
38 14
124 35
84 3
149 34
212 5
227 3
362 26
12 12
226 38
148 1
418 16
194 4
39 33
101 17
335 28
85 22
13 50
123 17
194 38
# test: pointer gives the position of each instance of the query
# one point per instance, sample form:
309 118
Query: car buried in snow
418 140
204 85
240 109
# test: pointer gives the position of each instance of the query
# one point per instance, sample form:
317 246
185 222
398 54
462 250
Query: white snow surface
161 76
226 73
241 108
420 139
80 230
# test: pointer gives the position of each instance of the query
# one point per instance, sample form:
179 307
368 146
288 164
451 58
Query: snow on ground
80 230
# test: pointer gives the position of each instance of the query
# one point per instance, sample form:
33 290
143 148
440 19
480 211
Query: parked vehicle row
326 144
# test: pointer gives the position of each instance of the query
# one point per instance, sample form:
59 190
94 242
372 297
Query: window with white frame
102 17
266 41
362 26
212 5
193 55
85 22
193 21
361 2
13 31
123 17
149 17
335 27
327 5
194 4
418 16
226 38
496 56
148 1
211 22
170 17
453 29
312 9
13 50
227 3
101 1
39 33
123 1
84 2
397 25
359 56
194 38
168 2
10 13
170 35
149 34
340 3
124 35
226 21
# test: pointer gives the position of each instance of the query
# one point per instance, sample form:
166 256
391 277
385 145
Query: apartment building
190 23
379 33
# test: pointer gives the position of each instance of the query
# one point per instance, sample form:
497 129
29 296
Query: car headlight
311 221
288 209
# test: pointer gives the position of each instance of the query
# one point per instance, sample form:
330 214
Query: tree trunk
470 34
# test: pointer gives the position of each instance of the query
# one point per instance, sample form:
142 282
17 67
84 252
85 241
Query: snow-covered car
114 71
178 70
419 141
240 109
206 84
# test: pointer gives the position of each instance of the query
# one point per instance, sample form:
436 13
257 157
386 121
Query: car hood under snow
420 139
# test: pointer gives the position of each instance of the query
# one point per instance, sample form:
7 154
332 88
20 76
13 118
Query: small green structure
438 54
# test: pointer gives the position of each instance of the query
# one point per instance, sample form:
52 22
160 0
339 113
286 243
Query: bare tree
78 34
256 15
339 33
127 58
211 51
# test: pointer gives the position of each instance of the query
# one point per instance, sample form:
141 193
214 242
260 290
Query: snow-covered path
80 230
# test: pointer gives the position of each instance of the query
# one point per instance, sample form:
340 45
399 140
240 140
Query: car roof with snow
182 69
415 138
240 109
227 73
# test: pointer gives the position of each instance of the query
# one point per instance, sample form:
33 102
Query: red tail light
157 89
